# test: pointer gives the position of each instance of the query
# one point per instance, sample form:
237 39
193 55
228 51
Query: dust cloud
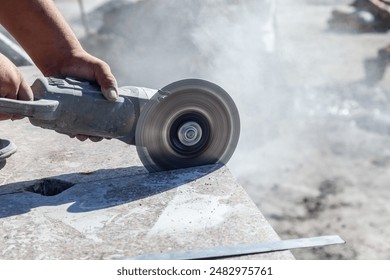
232 43
314 143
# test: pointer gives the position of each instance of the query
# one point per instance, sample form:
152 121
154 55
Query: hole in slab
49 187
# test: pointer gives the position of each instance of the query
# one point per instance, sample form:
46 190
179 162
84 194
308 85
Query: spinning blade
187 123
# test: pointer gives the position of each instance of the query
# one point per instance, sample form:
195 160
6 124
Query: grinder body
71 106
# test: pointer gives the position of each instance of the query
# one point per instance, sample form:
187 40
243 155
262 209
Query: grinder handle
42 109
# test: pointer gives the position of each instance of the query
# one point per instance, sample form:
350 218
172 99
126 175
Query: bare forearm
41 30
44 34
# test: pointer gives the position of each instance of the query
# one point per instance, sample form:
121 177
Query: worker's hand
12 85
80 64
58 52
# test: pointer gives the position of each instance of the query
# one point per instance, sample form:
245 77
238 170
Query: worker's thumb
110 93
107 82
25 91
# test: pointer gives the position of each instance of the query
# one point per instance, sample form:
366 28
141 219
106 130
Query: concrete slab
65 199
103 218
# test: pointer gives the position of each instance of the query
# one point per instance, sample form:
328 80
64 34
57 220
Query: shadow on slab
97 190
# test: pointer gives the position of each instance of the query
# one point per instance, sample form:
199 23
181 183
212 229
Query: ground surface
325 167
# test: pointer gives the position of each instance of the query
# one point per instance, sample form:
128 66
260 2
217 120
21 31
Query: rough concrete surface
103 217
64 199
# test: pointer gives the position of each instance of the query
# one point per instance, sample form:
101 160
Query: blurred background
309 78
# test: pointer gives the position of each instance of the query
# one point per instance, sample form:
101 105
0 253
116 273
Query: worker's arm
42 31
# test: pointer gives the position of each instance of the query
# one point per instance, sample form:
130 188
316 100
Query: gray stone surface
112 207
101 217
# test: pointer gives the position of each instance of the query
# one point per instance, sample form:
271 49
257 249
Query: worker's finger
16 117
82 138
107 81
24 93
4 117
111 94
95 138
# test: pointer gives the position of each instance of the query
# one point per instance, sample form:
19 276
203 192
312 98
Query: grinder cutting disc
187 123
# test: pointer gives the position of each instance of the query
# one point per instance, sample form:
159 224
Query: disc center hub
189 133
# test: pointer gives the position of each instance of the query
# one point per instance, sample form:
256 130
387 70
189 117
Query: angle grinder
187 123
